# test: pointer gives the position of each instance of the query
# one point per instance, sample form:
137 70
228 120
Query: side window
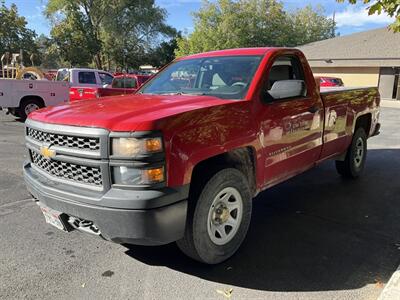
130 83
286 78
105 78
87 77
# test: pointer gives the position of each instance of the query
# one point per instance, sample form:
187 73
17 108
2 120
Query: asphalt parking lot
313 237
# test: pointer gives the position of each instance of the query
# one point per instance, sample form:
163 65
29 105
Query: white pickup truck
20 97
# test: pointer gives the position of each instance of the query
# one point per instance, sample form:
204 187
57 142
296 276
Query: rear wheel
218 221
356 155
27 106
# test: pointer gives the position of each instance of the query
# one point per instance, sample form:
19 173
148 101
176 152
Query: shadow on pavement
315 232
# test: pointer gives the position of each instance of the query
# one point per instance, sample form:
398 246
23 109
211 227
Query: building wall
351 76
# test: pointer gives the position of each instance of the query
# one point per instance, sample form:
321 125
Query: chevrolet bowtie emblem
46 152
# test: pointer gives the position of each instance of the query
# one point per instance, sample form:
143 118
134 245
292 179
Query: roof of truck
232 52
84 70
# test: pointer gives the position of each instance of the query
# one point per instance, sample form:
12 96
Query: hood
124 113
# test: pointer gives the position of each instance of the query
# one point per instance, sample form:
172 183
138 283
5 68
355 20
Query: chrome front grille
65 170
62 140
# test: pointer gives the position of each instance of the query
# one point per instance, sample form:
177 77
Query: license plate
52 217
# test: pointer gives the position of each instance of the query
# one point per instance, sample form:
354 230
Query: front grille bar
68 141
69 171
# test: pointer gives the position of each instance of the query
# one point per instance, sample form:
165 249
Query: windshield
62 75
223 77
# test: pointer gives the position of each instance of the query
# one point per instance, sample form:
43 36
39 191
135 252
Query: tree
163 54
76 28
14 35
107 32
250 23
73 44
309 25
133 31
390 7
49 56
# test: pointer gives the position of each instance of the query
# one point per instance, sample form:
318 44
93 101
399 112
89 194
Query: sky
349 18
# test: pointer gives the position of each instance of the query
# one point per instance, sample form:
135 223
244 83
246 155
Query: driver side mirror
284 89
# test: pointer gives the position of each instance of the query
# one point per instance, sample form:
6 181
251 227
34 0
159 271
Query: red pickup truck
181 160
123 85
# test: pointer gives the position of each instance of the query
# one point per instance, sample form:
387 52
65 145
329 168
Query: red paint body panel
82 93
286 136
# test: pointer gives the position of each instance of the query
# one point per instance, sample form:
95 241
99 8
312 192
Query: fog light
153 175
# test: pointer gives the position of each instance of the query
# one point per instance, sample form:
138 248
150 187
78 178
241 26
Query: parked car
123 84
330 81
21 97
183 163
84 83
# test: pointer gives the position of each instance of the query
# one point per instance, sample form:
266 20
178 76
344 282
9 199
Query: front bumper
131 221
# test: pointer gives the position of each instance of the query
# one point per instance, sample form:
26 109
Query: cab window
105 78
124 82
87 77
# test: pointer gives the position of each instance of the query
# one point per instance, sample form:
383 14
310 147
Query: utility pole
334 24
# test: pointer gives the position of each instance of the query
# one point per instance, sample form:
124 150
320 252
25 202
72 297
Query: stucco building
370 58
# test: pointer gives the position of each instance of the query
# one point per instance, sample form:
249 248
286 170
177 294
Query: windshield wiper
185 93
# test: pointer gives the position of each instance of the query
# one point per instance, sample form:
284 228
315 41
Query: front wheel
218 221
27 106
356 155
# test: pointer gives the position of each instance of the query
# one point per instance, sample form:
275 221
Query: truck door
85 85
292 120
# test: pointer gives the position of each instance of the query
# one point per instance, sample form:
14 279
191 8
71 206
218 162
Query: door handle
313 109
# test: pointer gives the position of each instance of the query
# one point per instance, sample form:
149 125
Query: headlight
132 176
130 147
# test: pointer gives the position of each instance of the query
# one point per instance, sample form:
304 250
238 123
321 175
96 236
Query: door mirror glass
287 89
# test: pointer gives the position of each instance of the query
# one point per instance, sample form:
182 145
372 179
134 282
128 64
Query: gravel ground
313 237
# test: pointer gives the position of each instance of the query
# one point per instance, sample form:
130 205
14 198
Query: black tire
14 112
354 163
22 110
197 242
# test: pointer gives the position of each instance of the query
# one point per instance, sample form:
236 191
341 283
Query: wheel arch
242 159
35 97
364 121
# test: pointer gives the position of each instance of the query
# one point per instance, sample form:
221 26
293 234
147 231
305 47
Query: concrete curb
392 288
390 103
